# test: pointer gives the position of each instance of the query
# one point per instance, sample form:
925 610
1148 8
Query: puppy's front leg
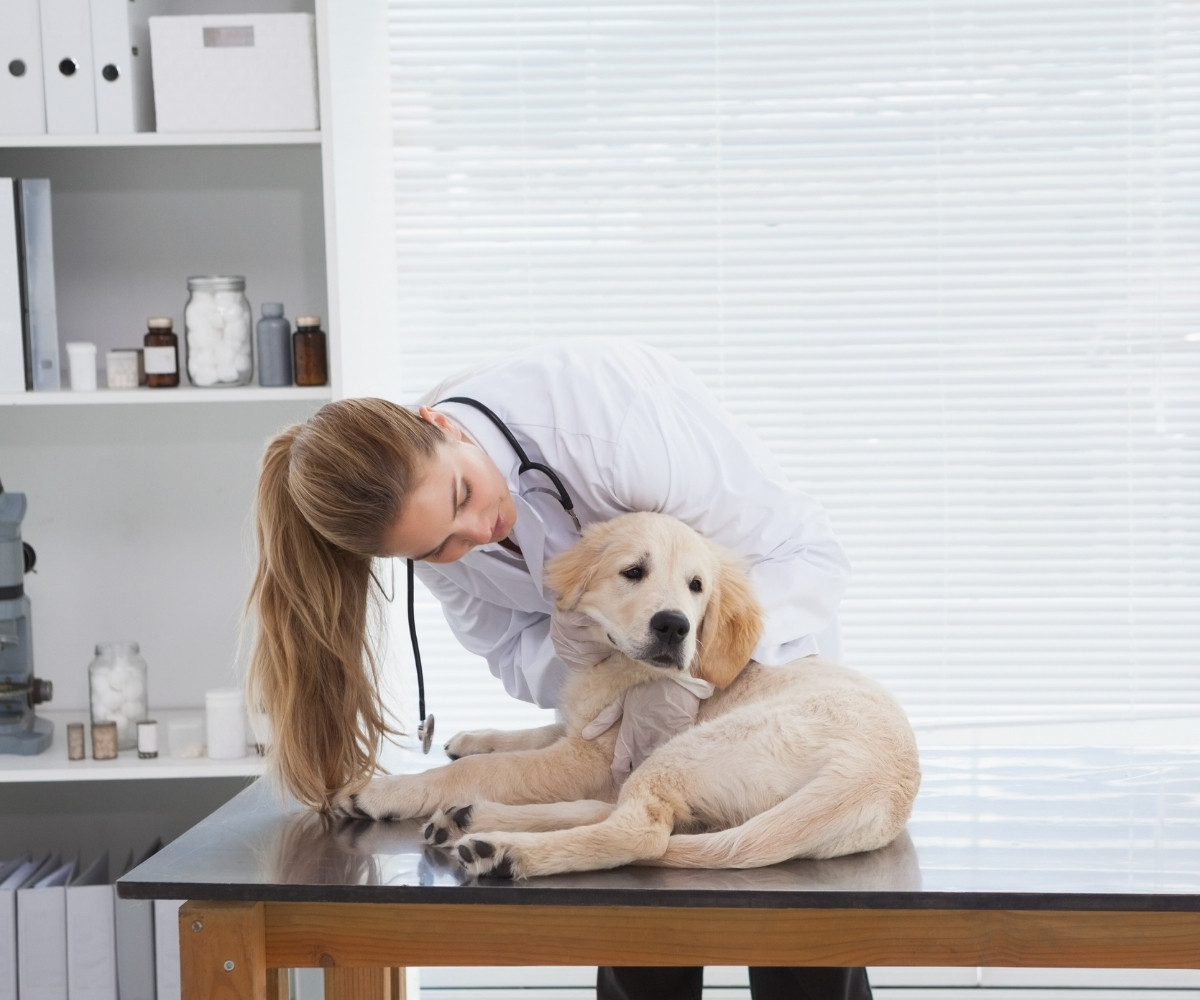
571 769
503 740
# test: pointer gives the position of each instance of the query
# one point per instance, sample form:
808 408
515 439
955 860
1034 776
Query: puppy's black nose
670 627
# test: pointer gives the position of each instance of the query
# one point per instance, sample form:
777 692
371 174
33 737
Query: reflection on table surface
1052 827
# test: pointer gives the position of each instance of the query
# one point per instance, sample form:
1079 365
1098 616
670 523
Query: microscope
21 731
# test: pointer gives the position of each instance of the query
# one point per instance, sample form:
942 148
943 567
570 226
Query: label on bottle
160 360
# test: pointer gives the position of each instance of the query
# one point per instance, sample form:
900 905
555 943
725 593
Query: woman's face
460 501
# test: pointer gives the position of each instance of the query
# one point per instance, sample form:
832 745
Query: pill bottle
160 353
122 367
274 346
309 352
117 686
81 357
218 331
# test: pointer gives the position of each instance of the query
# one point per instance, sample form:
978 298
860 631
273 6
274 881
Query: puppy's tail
820 820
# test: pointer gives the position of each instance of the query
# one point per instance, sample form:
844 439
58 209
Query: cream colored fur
804 760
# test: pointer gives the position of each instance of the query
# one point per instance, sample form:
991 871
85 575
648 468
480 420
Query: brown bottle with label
160 352
310 356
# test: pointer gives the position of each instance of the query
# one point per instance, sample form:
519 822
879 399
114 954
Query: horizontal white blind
945 257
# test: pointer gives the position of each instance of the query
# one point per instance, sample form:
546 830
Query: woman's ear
440 421
731 627
570 573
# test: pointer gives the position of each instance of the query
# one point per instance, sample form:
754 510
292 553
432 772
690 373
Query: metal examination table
1050 856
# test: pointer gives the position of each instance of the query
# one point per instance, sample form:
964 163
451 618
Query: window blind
942 256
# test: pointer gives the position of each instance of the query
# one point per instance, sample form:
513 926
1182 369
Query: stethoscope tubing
425 729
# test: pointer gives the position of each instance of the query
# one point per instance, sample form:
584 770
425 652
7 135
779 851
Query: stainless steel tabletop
1052 828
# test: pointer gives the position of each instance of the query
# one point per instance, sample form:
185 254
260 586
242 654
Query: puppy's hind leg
448 825
637 828
826 818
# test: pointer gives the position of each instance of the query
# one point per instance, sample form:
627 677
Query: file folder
42 936
67 67
22 98
121 66
135 941
39 303
91 934
12 335
13 875
166 948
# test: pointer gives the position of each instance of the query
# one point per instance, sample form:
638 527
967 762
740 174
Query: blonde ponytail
328 490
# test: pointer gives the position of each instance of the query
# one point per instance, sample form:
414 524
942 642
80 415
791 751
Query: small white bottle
225 723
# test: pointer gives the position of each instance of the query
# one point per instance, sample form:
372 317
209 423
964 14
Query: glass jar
117 689
218 331
310 353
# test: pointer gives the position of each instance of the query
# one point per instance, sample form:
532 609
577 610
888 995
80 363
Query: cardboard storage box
234 72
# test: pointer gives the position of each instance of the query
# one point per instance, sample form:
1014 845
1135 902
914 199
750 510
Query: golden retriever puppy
804 760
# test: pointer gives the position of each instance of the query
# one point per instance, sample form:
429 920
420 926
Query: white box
234 72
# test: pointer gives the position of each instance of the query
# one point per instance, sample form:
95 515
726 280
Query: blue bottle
274 346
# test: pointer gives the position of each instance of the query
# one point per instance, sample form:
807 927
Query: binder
22 99
135 941
121 66
42 935
35 249
91 935
166 948
67 67
12 336
13 875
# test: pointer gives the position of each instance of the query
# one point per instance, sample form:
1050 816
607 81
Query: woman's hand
574 636
650 714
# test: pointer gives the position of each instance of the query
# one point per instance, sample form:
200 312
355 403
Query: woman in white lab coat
624 428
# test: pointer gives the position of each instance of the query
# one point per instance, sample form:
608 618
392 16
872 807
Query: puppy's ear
570 573
732 625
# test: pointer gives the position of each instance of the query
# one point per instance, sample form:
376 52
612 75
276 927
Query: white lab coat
626 428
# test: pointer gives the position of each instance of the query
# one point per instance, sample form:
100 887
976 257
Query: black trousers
790 983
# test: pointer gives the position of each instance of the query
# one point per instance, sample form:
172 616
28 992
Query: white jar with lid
218 331
225 723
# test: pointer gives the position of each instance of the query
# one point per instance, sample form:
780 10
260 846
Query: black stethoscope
559 492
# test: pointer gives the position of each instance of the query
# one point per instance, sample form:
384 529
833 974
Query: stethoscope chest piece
425 733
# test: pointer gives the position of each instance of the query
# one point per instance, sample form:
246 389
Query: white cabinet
139 501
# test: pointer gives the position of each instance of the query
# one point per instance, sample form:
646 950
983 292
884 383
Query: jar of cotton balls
218 331
117 685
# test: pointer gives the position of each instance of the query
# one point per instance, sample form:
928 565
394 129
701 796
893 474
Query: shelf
53 765
158 139
182 394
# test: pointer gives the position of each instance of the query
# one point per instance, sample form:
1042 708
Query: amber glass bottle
161 353
310 356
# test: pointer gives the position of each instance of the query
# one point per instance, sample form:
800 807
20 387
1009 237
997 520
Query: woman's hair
328 491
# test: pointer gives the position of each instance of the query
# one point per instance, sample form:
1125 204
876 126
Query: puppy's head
661 594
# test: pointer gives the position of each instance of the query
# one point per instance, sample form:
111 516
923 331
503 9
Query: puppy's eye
633 573
696 586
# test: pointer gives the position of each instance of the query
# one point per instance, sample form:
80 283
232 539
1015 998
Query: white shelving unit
139 501
167 397
54 765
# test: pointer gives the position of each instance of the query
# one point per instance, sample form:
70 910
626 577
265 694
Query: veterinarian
607 427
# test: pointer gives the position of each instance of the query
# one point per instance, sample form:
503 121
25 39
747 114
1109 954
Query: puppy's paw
447 825
383 798
481 856
470 743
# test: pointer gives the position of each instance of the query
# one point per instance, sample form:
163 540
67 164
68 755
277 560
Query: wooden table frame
235 949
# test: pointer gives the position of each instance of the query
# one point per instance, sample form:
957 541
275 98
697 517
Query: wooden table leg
364 984
222 952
